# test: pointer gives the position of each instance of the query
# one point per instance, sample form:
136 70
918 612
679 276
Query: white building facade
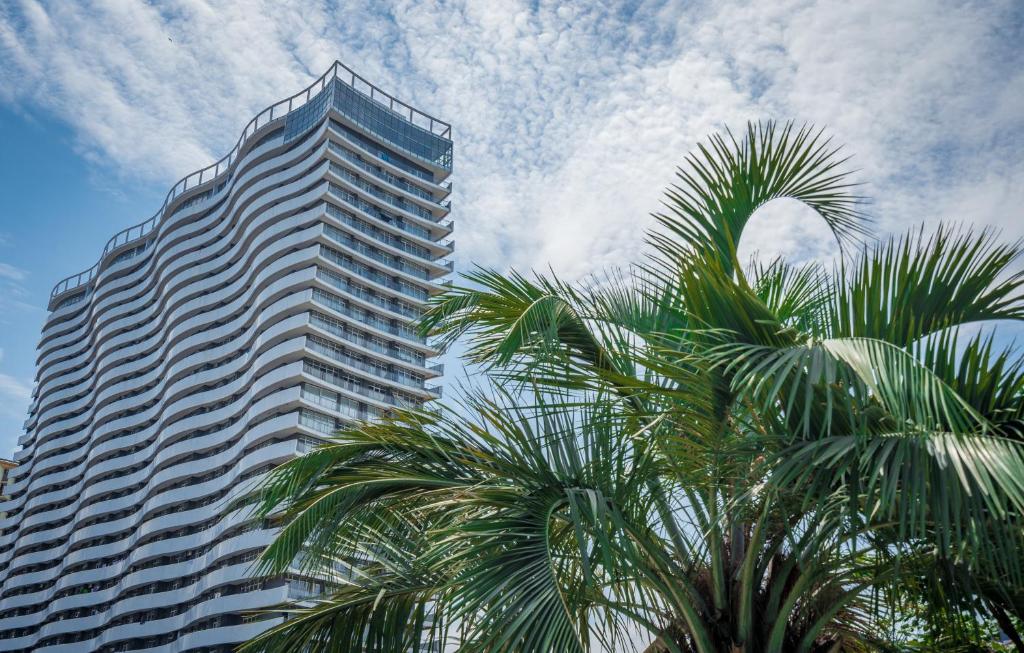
268 301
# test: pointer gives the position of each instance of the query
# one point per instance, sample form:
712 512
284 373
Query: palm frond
713 458
915 285
990 380
727 180
386 615
509 315
953 491
796 296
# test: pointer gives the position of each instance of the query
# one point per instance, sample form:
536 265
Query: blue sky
57 209
569 117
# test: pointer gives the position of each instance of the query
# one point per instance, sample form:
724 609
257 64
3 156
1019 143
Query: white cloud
14 295
8 271
15 396
569 118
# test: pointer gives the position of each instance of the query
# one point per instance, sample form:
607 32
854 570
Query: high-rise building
267 302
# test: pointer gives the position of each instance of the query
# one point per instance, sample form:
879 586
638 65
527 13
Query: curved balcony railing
375 212
338 305
343 380
380 173
393 262
338 71
366 272
339 354
369 148
394 306
390 198
378 234
334 401
373 343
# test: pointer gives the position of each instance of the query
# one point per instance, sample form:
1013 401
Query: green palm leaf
687 454
915 285
727 180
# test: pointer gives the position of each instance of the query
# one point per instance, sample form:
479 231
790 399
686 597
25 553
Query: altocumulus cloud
14 396
569 117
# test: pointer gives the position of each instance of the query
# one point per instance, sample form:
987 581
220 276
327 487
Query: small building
5 471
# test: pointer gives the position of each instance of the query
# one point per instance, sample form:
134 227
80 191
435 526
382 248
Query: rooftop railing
338 71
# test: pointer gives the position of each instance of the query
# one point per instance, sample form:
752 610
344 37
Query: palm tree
694 455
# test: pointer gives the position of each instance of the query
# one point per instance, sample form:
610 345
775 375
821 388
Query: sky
568 117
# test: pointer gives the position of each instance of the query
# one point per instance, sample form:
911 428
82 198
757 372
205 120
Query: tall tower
268 301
